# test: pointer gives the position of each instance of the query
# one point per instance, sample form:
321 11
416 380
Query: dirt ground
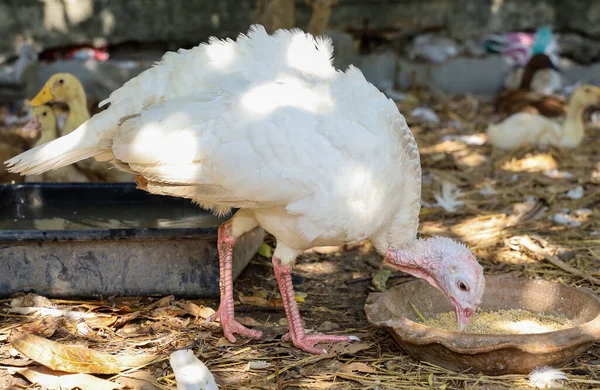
505 196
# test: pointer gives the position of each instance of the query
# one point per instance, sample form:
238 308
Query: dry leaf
248 321
175 323
259 292
62 381
101 322
165 312
16 361
127 318
326 326
163 302
357 366
126 301
44 327
223 342
108 309
72 358
347 348
134 330
139 380
195 310
50 312
31 300
258 301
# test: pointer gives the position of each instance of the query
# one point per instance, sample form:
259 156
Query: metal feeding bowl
495 354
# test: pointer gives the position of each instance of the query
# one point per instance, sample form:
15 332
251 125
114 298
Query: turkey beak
43 97
463 316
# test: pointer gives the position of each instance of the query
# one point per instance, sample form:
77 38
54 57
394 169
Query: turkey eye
61 81
462 286
45 113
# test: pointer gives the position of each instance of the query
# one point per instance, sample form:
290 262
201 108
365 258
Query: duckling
524 99
534 129
43 121
66 88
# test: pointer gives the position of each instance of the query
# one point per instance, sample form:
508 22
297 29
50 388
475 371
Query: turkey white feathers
266 124
287 131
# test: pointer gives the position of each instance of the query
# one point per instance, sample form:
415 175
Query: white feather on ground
190 372
257 365
488 190
556 174
448 198
564 218
547 378
425 115
576 193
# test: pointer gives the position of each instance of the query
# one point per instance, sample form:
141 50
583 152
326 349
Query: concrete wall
63 22
480 76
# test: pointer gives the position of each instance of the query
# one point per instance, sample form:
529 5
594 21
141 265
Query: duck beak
32 128
43 97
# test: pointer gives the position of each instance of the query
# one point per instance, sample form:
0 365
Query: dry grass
510 200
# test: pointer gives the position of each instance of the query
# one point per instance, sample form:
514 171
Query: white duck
530 129
266 124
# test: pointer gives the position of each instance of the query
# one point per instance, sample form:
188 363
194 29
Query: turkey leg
306 342
225 243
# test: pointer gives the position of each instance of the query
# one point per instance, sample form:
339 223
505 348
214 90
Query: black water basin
84 239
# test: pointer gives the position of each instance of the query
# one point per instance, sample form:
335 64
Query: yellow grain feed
512 321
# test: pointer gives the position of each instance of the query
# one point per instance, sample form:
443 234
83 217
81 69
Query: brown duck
524 99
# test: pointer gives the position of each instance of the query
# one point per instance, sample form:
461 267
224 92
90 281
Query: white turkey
267 125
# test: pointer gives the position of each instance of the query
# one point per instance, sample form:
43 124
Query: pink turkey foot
305 342
231 326
225 312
